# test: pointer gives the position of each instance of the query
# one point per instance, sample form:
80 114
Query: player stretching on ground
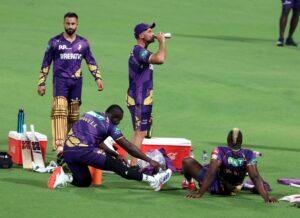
66 50
140 91
227 170
83 148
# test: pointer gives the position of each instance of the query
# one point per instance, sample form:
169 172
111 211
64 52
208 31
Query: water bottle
257 153
20 121
204 157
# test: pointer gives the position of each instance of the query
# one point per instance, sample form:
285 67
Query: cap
141 27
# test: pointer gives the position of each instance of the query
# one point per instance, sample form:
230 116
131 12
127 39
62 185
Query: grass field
222 70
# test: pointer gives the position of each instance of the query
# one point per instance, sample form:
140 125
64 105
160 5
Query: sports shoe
188 185
290 42
280 42
161 179
57 179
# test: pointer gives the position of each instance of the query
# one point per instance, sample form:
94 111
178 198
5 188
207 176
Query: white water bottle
168 35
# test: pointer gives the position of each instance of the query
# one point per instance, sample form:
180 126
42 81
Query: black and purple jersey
67 57
140 77
92 129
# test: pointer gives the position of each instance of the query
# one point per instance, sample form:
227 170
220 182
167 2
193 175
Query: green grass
222 70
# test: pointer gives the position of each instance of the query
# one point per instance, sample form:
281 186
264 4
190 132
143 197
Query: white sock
147 178
68 178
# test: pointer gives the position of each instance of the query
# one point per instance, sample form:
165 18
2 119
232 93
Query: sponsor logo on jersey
144 54
62 47
235 162
70 56
117 130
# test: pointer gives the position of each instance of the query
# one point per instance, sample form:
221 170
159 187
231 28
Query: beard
150 39
70 31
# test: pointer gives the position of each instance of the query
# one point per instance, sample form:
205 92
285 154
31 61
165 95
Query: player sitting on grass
227 170
84 147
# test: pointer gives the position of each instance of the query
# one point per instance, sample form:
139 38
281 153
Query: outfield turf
223 70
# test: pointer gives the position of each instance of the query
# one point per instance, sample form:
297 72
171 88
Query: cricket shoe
161 179
290 42
57 179
188 185
280 42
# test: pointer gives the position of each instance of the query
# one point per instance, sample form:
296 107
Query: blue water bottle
20 121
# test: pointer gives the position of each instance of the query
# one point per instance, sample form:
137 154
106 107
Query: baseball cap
141 27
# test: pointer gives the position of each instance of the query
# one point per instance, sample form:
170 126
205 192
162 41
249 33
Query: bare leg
294 23
283 22
191 168
137 140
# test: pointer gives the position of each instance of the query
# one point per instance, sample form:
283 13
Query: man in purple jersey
84 146
66 50
227 170
140 91
287 6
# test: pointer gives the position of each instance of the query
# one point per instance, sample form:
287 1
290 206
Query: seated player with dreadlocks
227 170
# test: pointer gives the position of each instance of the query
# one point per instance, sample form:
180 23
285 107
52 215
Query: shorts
290 4
68 87
141 116
215 187
219 186
78 159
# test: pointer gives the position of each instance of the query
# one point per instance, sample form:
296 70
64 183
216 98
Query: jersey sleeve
251 158
216 154
115 132
91 62
48 57
143 55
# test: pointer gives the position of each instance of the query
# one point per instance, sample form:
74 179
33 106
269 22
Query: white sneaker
57 179
160 179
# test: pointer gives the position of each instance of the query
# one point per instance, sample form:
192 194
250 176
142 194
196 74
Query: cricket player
84 147
66 50
140 91
287 6
227 170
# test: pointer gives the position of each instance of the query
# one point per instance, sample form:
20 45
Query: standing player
140 91
227 170
66 50
82 149
287 5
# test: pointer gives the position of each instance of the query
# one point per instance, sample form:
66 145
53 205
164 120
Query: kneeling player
84 147
227 170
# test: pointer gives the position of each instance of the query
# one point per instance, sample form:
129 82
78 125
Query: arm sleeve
48 57
91 62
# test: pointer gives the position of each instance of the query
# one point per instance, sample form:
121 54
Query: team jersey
91 129
233 165
140 77
67 58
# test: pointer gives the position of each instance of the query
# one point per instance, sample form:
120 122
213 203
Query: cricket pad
59 119
74 113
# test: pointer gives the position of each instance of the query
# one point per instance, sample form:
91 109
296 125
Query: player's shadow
267 147
30 182
226 38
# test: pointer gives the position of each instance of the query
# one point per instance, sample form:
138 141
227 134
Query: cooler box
14 145
177 148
